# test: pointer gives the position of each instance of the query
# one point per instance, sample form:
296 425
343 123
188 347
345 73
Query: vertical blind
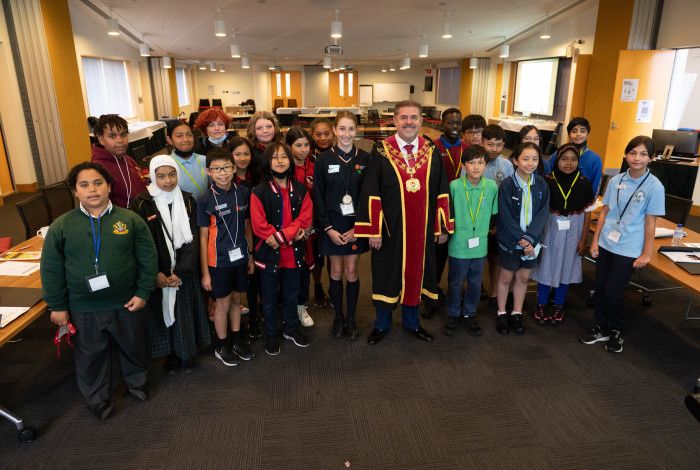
107 86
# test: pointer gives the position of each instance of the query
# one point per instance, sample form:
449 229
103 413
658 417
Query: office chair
216 104
277 104
677 209
291 103
203 104
59 197
35 213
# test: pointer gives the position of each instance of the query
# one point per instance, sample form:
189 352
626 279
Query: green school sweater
127 255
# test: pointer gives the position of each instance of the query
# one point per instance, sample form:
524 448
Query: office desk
24 433
680 178
316 115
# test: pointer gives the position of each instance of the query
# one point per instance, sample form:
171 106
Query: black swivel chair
216 104
203 104
35 213
677 209
59 197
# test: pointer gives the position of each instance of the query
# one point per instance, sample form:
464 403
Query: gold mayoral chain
412 184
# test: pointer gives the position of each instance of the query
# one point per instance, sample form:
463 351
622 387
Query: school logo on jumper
120 228
499 177
639 196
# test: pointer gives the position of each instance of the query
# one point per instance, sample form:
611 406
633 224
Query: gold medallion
412 185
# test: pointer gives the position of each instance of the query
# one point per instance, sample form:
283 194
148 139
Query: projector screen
535 84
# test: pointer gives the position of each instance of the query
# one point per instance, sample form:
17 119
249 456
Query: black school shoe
272 345
516 323
101 410
337 328
596 335
242 350
614 344
350 331
451 326
472 325
502 324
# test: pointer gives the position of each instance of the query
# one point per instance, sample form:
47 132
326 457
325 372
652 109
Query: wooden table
316 115
24 432
661 263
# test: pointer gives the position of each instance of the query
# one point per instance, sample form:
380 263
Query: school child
241 153
212 123
281 211
530 133
523 210
224 234
498 168
590 164
474 201
322 133
300 142
193 179
263 129
623 239
176 322
570 193
451 148
472 127
338 177
112 132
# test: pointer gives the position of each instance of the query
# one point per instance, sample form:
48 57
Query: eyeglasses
221 169
473 131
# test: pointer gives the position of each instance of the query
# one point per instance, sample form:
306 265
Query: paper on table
661 232
7 314
692 245
21 255
17 268
683 256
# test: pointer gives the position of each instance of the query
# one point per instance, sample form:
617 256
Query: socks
515 313
352 292
501 313
335 292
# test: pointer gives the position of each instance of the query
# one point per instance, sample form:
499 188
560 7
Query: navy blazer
510 197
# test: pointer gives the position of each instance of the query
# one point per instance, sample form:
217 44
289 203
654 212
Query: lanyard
216 201
188 173
347 174
456 165
527 200
631 195
127 186
96 239
469 203
566 196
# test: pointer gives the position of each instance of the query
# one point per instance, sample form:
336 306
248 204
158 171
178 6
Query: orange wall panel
578 99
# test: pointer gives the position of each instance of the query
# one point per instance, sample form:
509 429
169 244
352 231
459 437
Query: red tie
409 149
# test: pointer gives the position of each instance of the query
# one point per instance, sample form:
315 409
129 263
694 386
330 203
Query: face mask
182 154
278 175
217 141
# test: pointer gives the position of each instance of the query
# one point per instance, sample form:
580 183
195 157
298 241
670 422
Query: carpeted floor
537 401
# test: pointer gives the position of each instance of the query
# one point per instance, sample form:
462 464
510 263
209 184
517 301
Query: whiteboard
391 92
365 95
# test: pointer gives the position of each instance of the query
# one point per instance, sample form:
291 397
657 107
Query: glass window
183 95
107 87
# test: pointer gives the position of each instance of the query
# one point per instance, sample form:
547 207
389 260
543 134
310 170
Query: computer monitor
685 143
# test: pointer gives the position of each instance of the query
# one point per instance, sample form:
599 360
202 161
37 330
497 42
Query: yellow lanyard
565 196
459 160
528 201
472 215
188 173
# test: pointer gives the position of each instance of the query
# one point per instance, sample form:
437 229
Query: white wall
315 86
233 86
19 152
91 39
371 74
679 24
691 116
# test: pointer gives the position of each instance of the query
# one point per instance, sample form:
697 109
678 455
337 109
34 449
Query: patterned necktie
409 149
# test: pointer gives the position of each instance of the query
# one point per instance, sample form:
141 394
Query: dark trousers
409 318
441 254
461 270
286 280
97 334
612 274
304 285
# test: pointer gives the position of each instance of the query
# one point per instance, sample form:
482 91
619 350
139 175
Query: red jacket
128 182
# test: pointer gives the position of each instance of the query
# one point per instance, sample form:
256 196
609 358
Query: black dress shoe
428 312
502 324
139 392
451 326
516 323
422 335
337 328
350 331
172 364
376 336
101 410
472 326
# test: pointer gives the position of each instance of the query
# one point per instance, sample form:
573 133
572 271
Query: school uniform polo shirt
499 169
224 213
191 175
646 196
464 227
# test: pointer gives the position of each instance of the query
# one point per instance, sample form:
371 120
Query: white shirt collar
402 143
107 210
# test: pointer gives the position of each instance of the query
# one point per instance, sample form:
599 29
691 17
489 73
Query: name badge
614 236
221 206
347 209
563 224
223 213
97 282
333 169
621 186
473 242
235 254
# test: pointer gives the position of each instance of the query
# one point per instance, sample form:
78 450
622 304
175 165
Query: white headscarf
175 222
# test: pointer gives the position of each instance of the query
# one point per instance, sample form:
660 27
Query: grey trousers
97 334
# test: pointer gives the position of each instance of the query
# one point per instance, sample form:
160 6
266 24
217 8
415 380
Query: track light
504 51
112 26
546 31
167 62
245 62
336 27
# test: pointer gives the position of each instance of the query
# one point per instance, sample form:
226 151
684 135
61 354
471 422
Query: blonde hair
258 115
344 114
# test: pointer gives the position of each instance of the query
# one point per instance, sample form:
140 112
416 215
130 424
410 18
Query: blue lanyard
631 196
96 239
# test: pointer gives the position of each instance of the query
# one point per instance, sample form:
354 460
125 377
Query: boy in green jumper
474 201
98 268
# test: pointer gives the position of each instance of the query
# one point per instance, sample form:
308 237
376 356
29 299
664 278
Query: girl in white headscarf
177 324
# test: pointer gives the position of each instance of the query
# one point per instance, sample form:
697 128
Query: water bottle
678 236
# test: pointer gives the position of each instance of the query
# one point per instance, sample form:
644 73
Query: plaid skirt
191 330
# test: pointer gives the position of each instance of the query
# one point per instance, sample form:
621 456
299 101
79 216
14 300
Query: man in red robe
404 210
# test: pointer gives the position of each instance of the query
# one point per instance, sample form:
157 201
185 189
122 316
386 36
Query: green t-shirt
482 199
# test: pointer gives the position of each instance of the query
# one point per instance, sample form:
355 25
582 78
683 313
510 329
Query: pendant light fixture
546 31
235 48
406 63
383 69
212 67
245 62
222 69
392 68
446 30
326 62
504 51
474 63
202 65
167 63
423 52
112 26
336 27
219 25
271 65
144 50
341 66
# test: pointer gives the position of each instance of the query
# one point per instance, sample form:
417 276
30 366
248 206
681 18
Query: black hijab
581 195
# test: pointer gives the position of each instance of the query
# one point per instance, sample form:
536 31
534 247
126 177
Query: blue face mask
217 141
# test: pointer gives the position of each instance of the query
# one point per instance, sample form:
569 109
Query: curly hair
207 117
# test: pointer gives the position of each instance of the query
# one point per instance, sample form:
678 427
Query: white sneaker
304 317
244 310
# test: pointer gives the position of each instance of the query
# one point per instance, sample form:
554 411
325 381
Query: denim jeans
459 271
